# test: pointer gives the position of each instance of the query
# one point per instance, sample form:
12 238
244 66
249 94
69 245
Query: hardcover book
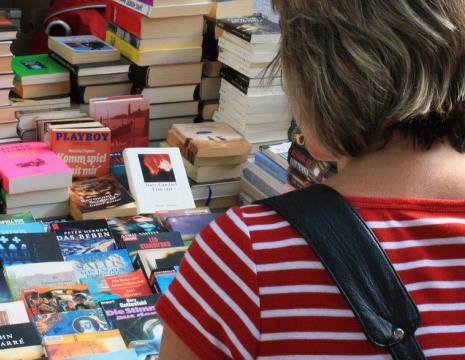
128 285
147 241
20 341
121 227
53 299
126 116
85 151
37 275
81 237
32 166
138 321
38 69
13 313
254 29
29 248
71 322
157 179
99 198
90 269
61 347
26 228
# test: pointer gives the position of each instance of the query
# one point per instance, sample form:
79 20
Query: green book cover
19 218
31 65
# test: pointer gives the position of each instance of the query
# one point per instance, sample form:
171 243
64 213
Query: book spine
126 19
231 29
137 6
296 165
125 35
259 183
74 70
126 49
271 167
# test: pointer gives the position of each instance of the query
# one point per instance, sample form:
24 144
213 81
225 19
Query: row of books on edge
73 289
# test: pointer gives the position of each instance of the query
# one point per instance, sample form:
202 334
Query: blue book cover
91 268
71 322
164 279
271 167
82 237
32 227
29 248
129 354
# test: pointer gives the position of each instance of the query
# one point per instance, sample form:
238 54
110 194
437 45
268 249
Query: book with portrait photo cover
100 198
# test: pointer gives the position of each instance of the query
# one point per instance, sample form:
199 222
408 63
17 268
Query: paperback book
128 285
20 341
13 313
121 227
5 295
129 354
85 236
26 228
38 69
147 241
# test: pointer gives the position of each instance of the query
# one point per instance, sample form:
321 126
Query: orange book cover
85 151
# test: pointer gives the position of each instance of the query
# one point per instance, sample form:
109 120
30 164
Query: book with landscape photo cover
71 322
85 236
138 321
29 248
101 197
55 299
147 241
126 116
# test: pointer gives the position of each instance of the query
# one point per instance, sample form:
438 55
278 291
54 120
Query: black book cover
210 42
146 241
121 227
248 26
18 336
234 77
86 236
137 320
29 248
139 74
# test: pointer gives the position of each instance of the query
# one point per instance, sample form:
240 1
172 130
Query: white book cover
13 313
157 179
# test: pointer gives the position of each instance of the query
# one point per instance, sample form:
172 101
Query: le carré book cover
85 236
29 248
20 341
157 179
71 322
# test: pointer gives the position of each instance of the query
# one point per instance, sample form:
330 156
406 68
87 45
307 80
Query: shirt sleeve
213 303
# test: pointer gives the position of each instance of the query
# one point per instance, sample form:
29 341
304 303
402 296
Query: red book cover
128 285
86 151
125 18
126 116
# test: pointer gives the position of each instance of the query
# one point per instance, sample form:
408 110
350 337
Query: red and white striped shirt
250 286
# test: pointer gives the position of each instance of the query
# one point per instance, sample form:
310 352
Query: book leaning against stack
163 41
257 108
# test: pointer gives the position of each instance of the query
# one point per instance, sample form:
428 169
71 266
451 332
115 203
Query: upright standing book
157 179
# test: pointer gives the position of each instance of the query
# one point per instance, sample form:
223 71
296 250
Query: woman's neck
400 170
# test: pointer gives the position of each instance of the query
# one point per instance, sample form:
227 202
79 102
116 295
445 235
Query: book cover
128 225
147 241
157 179
71 322
167 259
161 280
128 285
26 228
271 166
103 193
90 269
161 216
86 236
117 168
87 44
13 313
254 29
65 346
85 151
20 341
5 295
36 65
126 116
32 166
138 321
37 275
129 354
21 218
29 248
54 299
189 226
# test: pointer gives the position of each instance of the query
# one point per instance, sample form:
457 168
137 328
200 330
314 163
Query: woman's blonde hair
358 69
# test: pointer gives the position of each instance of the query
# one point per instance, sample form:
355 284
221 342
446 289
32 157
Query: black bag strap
354 258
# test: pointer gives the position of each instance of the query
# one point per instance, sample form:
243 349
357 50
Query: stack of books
163 42
96 67
34 179
258 108
8 122
213 155
211 81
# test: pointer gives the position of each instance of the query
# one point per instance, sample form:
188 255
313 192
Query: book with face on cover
32 166
157 179
99 198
